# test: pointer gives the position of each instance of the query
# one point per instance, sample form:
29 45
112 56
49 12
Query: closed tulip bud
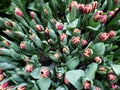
76 30
114 86
75 40
21 88
59 26
87 52
111 13
73 4
98 15
94 5
39 27
7 43
87 9
59 75
84 42
111 34
32 14
18 12
97 88
56 55
47 31
29 68
111 77
1 76
63 36
8 23
103 69
22 45
81 7
44 72
64 50
4 86
87 85
103 36
8 31
66 81
97 59
103 19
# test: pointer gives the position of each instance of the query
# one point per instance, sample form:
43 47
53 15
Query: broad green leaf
74 77
35 73
98 49
73 24
94 28
116 69
7 66
98 84
91 70
44 83
73 63
52 57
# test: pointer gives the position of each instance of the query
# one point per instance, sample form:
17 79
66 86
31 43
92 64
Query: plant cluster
60 45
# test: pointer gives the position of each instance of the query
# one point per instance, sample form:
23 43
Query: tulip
18 12
39 27
7 43
21 88
64 50
62 37
111 77
103 69
75 40
94 5
97 59
111 13
116 2
98 15
32 14
73 4
59 26
87 52
59 75
8 23
87 85
22 45
87 9
81 7
114 86
44 72
111 34
29 68
103 19
76 30
56 55
4 86
1 76
103 36
84 42
47 31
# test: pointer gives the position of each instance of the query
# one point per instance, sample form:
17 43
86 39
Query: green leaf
74 77
94 28
91 70
104 5
73 24
116 69
7 66
44 83
35 73
45 45
73 63
98 49
98 84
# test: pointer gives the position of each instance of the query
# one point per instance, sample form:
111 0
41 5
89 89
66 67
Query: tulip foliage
60 45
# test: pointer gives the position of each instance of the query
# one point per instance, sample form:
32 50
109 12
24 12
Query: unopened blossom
103 36
4 86
87 9
87 85
7 43
73 4
22 45
59 26
32 14
56 55
1 76
114 86
38 27
103 19
29 68
111 77
21 88
18 12
98 15
103 69
112 34
44 72
9 23
64 50
75 40
63 36
87 52
94 5
97 59
47 31
84 42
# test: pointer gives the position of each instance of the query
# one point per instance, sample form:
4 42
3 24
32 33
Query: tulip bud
111 34
87 85
87 9
8 23
97 88
18 12
59 26
7 43
84 42
4 86
103 19
66 81
111 13
81 7
97 59
103 36
114 86
44 72
21 88
47 31
87 52
64 50
94 5
75 40
76 30
29 68
59 75
98 15
22 45
103 69
39 27
73 4
62 37
1 76
56 55
111 77
32 14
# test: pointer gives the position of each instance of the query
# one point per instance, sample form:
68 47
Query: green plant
60 45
